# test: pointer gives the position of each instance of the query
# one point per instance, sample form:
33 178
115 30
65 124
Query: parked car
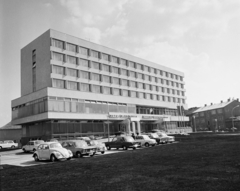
145 140
124 142
52 151
32 146
8 144
183 133
157 130
84 138
160 140
79 148
169 139
101 147
52 140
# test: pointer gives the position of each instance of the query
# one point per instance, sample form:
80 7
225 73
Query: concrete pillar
138 127
128 126
133 128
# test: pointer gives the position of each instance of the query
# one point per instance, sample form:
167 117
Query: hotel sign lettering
121 116
153 117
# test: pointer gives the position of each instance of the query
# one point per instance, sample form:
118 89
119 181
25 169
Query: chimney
205 105
211 103
221 101
229 99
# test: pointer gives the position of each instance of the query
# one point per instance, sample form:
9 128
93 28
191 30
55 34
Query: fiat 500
52 151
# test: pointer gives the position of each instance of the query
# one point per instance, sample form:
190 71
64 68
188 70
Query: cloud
174 57
48 5
92 34
117 29
91 12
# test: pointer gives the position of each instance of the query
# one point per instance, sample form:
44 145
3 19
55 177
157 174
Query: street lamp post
194 124
108 122
233 117
216 125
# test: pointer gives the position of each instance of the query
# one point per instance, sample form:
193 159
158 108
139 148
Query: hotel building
72 87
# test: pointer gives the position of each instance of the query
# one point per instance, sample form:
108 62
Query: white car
8 144
52 151
145 140
31 146
170 139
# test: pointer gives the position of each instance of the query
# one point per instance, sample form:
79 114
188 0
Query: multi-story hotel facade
73 87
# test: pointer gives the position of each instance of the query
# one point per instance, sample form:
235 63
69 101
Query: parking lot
19 158
196 162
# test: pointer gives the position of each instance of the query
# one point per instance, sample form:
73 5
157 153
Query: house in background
217 117
190 114
11 132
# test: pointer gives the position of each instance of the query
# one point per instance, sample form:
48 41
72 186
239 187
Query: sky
198 37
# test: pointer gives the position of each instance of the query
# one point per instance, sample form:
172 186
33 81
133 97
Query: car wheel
108 147
134 148
153 145
146 144
103 152
24 150
0 148
53 158
79 155
92 155
12 146
35 157
125 148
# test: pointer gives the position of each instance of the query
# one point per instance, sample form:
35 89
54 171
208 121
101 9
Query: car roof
74 141
47 143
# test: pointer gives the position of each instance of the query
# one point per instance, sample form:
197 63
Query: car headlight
58 154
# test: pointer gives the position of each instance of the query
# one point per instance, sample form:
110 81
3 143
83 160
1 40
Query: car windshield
146 137
39 142
154 135
86 138
55 145
163 134
94 142
81 144
129 139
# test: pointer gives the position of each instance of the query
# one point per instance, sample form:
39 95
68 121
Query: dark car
123 142
79 148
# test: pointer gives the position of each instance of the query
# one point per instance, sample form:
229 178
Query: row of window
108 79
56 83
207 113
99 55
217 119
69 105
71 100
156 111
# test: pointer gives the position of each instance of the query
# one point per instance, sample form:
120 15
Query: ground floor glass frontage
60 129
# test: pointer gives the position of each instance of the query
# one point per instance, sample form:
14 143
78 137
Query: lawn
196 162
